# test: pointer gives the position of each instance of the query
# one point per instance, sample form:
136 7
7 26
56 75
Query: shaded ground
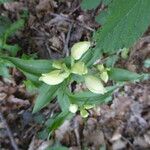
52 27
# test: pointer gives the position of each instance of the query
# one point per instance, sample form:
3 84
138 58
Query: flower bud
79 68
73 108
55 77
100 67
79 49
87 106
84 113
94 84
104 76
57 64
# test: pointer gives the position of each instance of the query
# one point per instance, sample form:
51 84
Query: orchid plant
61 72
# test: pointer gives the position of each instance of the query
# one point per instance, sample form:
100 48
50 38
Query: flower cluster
61 72
83 110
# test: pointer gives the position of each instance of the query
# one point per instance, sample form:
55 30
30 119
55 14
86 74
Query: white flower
79 68
54 77
94 84
79 49
73 108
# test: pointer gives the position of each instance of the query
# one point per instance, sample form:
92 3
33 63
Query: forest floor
51 28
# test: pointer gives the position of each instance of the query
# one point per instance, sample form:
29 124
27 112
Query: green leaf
90 4
91 56
5 1
46 94
4 70
36 67
57 147
4 24
118 74
101 18
106 2
63 100
30 86
33 78
12 49
13 28
110 62
87 97
58 120
127 21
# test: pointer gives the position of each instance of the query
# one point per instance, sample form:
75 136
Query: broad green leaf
90 4
30 86
106 2
33 78
91 56
87 97
46 95
63 99
58 120
101 18
13 28
36 67
110 62
127 21
118 74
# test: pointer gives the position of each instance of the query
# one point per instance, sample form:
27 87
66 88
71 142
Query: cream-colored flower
104 76
87 106
84 113
94 84
73 108
79 49
54 77
79 68
100 67
57 64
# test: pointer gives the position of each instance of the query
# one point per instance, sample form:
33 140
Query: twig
61 17
13 143
66 49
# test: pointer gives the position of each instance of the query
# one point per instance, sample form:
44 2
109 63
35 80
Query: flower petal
87 106
79 49
104 76
79 68
73 108
94 84
55 77
84 113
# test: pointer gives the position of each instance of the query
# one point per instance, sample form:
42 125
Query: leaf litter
122 124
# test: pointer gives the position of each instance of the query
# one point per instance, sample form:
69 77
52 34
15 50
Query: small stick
62 17
13 143
66 49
